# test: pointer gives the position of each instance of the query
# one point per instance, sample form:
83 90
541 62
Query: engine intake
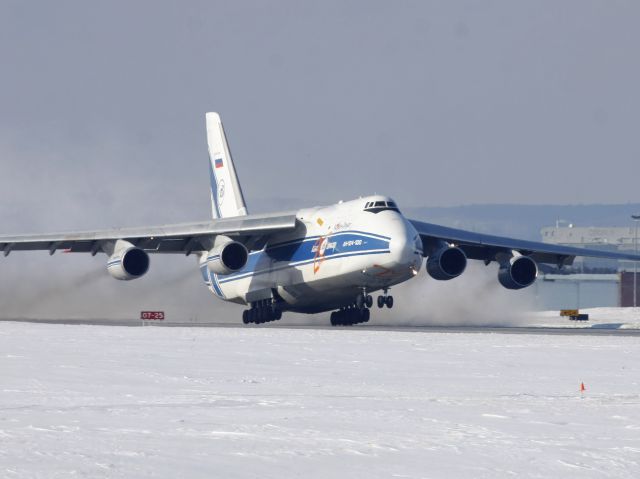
446 263
519 272
227 258
128 263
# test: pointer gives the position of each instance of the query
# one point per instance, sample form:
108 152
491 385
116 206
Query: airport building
616 238
606 239
595 282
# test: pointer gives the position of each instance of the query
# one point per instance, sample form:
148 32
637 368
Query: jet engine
128 262
517 273
446 263
227 257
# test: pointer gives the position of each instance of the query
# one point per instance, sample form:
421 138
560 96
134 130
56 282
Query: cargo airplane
313 260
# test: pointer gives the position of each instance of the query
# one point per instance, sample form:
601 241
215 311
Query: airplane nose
399 245
403 247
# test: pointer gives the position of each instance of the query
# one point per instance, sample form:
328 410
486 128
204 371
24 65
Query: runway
600 329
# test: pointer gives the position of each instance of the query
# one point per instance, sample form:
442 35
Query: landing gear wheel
261 312
368 301
389 302
381 301
360 301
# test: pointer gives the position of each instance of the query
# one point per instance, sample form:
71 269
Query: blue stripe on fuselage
247 274
304 251
216 285
211 280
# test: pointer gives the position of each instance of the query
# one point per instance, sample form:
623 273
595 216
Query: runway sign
152 315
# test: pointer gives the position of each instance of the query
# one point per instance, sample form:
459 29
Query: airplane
313 260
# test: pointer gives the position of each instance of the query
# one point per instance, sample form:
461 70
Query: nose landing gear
385 300
364 300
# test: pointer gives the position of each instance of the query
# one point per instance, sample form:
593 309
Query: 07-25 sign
152 315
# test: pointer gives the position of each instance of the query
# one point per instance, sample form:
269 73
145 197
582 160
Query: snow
114 401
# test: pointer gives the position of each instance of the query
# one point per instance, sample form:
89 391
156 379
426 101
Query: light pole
635 218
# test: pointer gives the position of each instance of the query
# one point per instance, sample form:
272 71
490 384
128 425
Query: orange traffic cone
582 388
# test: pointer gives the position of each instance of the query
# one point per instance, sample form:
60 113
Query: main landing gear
349 316
262 312
356 313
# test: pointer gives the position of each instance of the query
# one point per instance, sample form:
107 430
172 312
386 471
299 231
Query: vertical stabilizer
226 194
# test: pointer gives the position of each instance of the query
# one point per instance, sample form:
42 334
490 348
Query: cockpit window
378 206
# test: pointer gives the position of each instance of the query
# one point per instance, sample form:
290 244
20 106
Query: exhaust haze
473 299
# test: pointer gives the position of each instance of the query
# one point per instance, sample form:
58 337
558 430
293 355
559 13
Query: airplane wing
180 239
488 247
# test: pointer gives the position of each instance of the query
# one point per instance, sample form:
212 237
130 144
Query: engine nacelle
227 258
128 263
446 263
519 272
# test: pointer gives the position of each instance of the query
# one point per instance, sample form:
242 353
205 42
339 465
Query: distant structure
616 237
590 289
605 238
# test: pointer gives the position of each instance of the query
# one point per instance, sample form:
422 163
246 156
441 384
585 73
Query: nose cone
406 245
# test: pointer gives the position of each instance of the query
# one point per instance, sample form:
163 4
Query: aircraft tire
381 301
341 317
245 316
351 317
369 301
360 301
389 302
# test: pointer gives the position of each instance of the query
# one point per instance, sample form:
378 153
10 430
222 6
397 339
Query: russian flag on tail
218 163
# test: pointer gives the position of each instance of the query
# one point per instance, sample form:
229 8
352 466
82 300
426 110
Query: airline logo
218 163
221 191
319 249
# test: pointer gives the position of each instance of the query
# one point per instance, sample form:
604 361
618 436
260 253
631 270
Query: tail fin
226 194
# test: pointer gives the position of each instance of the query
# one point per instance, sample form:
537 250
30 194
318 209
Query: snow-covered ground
112 401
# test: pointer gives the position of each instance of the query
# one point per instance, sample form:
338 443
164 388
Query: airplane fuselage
334 253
